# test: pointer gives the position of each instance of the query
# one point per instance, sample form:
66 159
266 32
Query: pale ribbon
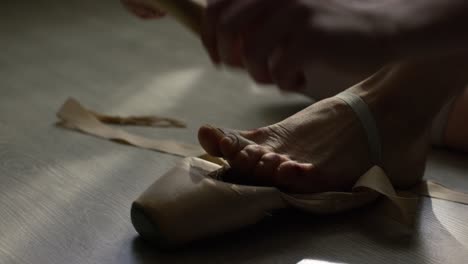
75 116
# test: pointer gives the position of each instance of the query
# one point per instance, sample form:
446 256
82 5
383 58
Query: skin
421 42
141 9
457 128
276 40
324 148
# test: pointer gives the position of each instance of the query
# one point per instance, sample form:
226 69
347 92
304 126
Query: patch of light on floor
175 86
270 90
263 89
449 217
314 261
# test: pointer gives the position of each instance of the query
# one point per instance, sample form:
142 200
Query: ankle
409 95
394 111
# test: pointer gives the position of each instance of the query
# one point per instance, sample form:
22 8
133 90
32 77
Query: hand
141 9
276 40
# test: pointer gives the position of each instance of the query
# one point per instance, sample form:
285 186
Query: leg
324 148
450 128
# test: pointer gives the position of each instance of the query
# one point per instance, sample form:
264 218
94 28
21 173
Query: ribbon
74 116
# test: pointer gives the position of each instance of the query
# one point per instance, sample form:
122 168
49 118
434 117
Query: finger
258 45
142 10
145 13
288 62
239 18
210 21
286 70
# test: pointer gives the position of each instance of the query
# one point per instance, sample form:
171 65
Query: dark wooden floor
65 197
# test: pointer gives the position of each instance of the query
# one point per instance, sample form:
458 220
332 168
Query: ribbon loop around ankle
368 122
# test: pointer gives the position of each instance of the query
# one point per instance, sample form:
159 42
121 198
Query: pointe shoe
192 202
195 200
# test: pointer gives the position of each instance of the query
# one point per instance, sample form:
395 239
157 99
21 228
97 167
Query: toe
266 169
225 143
247 159
230 146
209 138
232 143
300 178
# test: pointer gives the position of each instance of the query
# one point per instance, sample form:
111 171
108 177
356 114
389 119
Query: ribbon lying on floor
149 121
75 116
192 200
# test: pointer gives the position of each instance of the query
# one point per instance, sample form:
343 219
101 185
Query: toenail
219 129
232 139
229 140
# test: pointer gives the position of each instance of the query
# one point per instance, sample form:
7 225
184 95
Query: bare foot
324 147
321 148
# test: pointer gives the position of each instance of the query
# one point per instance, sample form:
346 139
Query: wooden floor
65 197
